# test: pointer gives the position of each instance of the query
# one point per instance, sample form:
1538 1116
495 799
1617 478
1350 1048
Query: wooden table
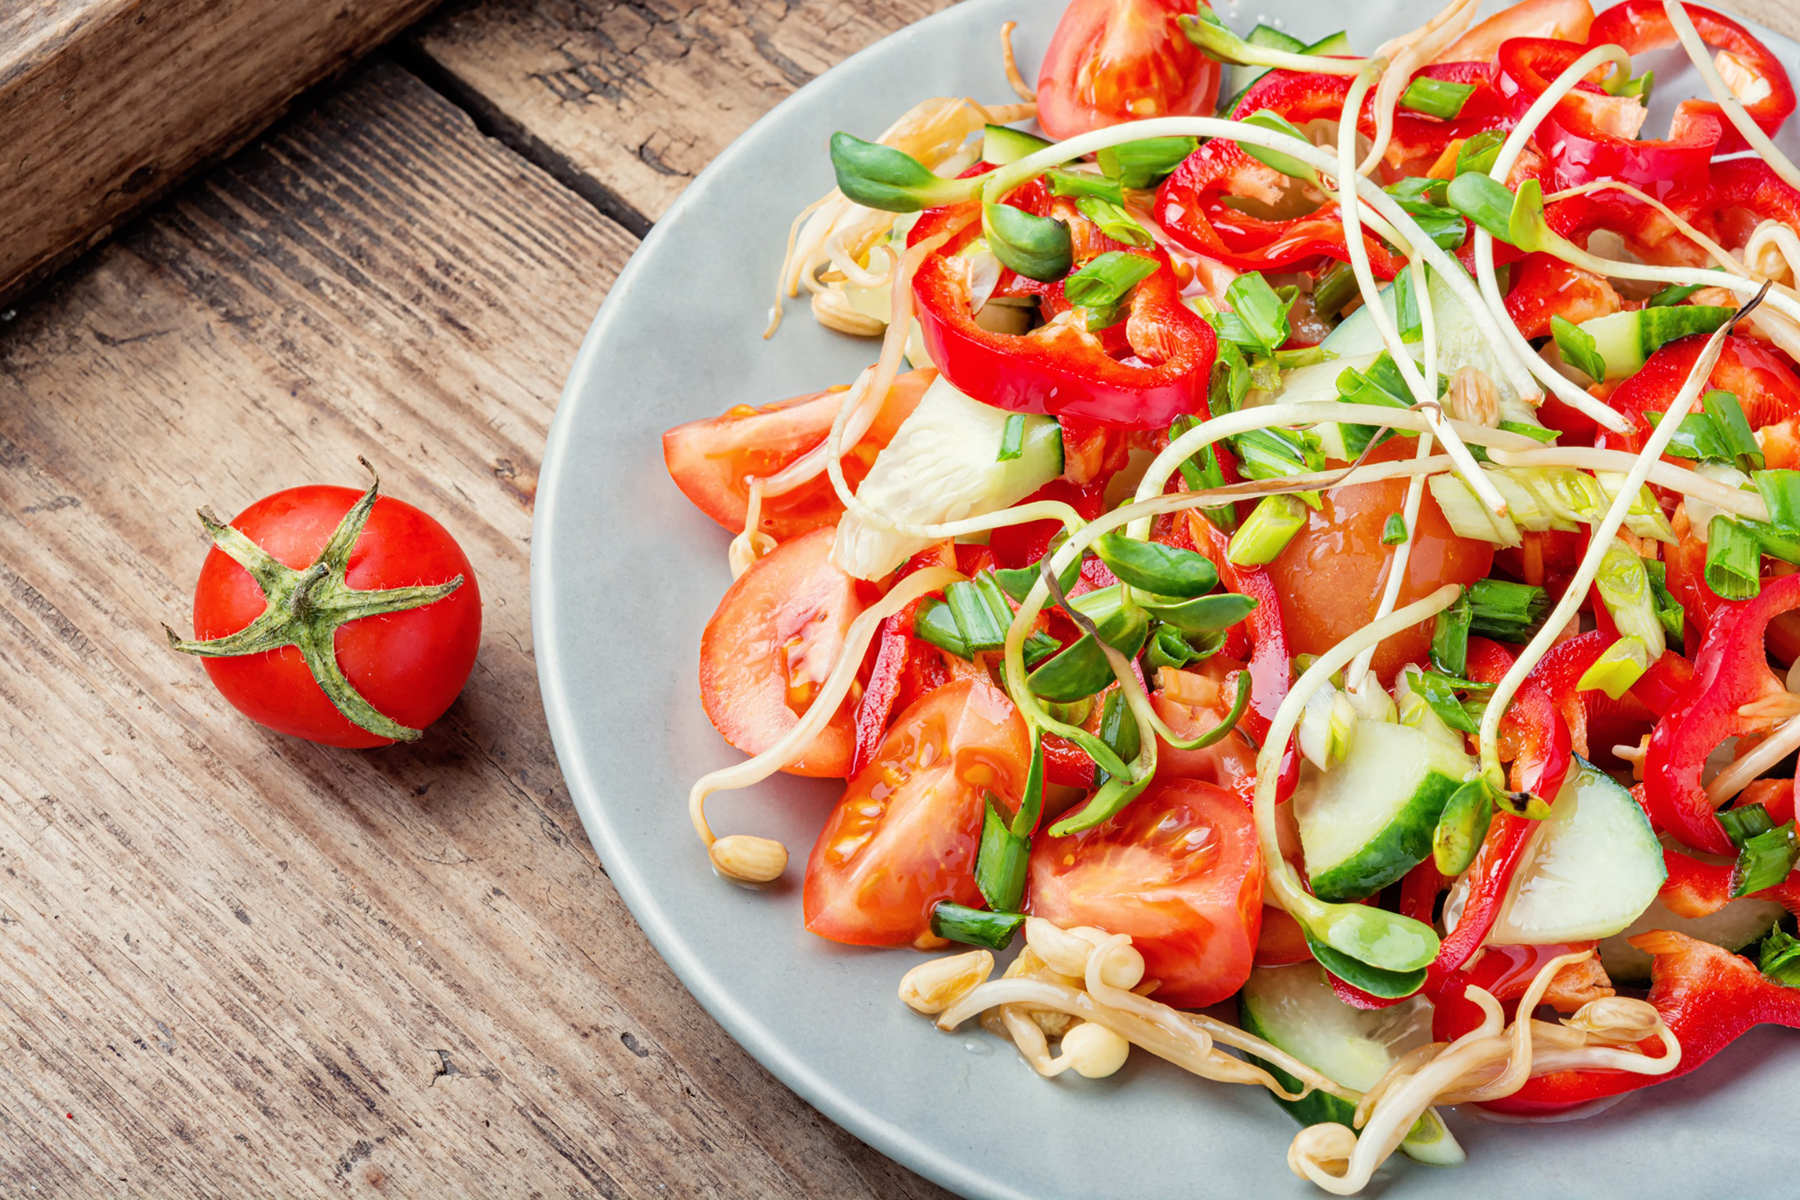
233 964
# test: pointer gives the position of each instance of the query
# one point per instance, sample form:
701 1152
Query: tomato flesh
1180 870
410 665
771 644
1112 61
1330 577
712 461
906 833
1565 20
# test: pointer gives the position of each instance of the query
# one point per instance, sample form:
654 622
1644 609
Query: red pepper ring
1574 133
1642 25
1731 670
1061 370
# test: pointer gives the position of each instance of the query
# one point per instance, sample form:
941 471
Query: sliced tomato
1282 940
905 835
1190 703
713 461
1112 61
1330 577
1564 19
1180 870
770 645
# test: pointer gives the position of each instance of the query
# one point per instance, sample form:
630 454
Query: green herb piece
1745 822
1036 247
981 628
1727 416
1765 860
1104 280
1000 861
1258 316
1169 647
1438 98
1302 356
1444 694
1618 668
1119 730
1275 160
1485 202
1673 294
1277 452
1145 163
973 927
1084 184
1406 307
1154 567
1012 438
1450 636
1461 827
1334 289
1393 533
1779 958
1780 491
1506 611
1479 153
1535 432
935 624
1114 221
1271 525
1733 559
1202 472
1578 348
1669 611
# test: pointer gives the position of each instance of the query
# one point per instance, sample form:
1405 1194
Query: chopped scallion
1727 416
1673 294
1745 822
1733 559
1624 587
1145 163
1478 154
1119 730
934 624
1333 290
1204 471
981 628
1450 637
1001 860
1669 610
1579 348
974 927
1270 526
1506 611
1619 666
1765 860
1113 221
1012 438
1275 160
1103 280
1440 98
1393 533
1779 958
1406 306
1258 316
1083 184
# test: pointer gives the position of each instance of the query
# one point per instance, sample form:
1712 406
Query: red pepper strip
1067 764
1543 286
1707 996
1743 192
900 659
1730 671
1749 368
1191 205
1060 368
1017 546
1697 889
1642 25
1271 670
1591 135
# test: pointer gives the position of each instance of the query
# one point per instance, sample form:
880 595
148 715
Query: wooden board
233 964
107 104
626 102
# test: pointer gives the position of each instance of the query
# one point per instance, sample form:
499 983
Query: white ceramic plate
624 575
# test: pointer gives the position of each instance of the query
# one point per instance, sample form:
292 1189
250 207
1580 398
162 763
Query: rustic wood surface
106 104
232 964
235 964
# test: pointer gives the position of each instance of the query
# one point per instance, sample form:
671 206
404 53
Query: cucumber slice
942 465
1593 867
1368 821
1294 1009
1460 344
1735 926
1003 146
1627 339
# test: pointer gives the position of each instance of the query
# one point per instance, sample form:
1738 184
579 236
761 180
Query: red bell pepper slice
1741 193
1544 286
1058 368
1581 132
1643 25
1697 889
1749 368
1707 996
1731 670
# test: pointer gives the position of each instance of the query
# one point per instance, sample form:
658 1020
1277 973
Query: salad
1311 568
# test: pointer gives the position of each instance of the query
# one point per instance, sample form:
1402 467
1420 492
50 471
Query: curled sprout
1490 1062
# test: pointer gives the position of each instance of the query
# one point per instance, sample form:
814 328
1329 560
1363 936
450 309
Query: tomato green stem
307 607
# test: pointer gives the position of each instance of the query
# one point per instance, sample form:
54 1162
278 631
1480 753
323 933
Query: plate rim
897 1141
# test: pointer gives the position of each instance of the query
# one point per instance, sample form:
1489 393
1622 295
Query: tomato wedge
1122 60
905 835
1180 871
712 461
1567 20
771 643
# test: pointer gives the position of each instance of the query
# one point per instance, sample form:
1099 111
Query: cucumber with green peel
1294 1009
1369 820
1592 868
1740 923
1003 146
942 465
1627 339
1239 76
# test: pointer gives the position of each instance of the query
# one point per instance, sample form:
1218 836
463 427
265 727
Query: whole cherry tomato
336 616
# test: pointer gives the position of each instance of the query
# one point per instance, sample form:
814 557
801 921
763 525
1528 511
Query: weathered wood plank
234 964
629 100
106 104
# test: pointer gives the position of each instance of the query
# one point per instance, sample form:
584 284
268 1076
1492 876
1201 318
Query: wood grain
234 964
107 104
627 101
